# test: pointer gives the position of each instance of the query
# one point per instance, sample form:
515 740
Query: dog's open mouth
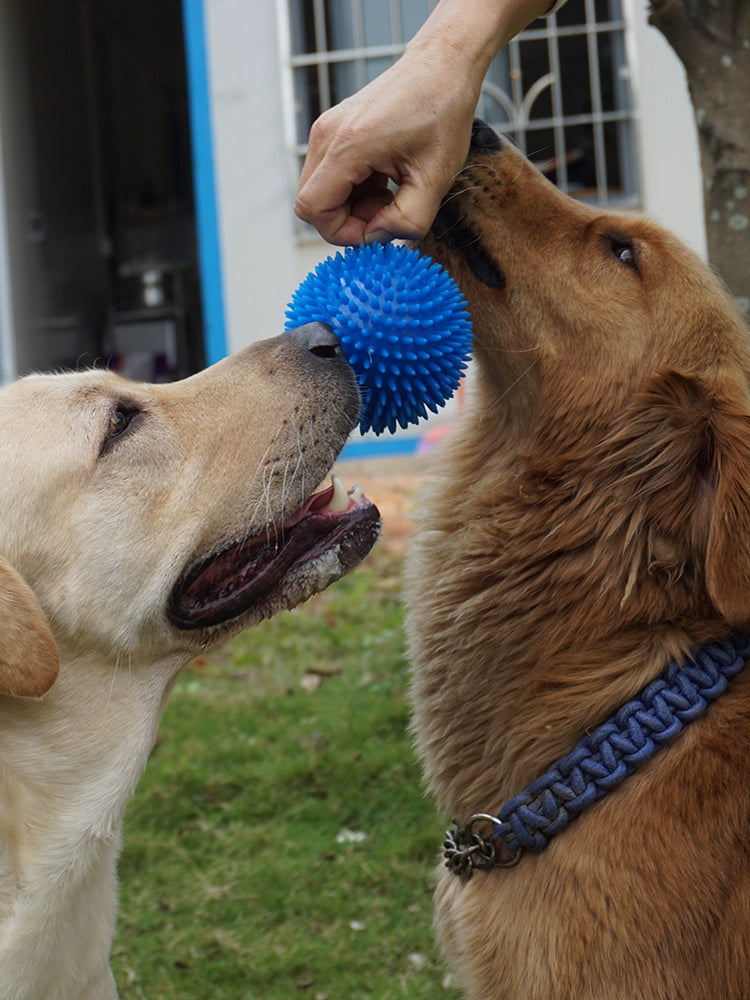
333 523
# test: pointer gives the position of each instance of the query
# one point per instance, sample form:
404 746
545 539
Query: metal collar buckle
465 849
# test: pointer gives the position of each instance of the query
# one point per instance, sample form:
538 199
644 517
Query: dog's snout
317 338
315 350
484 139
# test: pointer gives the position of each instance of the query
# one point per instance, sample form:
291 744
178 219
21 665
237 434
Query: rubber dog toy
402 323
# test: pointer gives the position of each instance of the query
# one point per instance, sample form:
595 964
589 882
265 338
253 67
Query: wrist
466 36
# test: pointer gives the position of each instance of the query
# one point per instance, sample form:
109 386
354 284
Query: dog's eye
121 419
625 252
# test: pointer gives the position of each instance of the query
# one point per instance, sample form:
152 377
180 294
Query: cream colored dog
140 524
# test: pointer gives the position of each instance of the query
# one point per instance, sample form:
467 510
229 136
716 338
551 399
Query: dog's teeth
340 499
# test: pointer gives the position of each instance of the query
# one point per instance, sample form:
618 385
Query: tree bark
712 39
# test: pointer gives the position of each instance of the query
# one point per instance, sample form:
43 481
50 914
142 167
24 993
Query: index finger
339 206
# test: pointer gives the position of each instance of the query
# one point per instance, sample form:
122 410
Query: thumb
408 217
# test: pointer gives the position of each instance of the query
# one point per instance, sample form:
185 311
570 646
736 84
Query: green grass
279 844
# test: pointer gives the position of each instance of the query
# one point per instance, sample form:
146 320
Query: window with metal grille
560 89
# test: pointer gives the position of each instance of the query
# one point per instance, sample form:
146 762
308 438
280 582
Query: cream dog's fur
128 513
591 521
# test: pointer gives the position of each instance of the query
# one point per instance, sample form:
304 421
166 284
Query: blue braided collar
601 761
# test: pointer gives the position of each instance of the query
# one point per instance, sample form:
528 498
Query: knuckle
319 129
302 208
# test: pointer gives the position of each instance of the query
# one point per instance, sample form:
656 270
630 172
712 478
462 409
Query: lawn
280 845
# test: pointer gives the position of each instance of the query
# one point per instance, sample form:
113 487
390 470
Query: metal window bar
537 124
346 55
358 39
558 125
397 22
613 25
321 44
396 48
626 139
595 88
516 104
516 85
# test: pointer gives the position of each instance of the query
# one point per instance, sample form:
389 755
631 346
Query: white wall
253 182
671 182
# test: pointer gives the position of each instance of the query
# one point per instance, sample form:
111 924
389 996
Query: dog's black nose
484 139
317 338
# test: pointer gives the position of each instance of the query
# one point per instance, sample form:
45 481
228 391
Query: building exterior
149 153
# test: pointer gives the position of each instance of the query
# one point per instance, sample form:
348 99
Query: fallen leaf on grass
350 836
325 671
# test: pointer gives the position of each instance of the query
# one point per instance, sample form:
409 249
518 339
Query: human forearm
475 30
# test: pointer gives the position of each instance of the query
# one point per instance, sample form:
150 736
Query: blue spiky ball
402 323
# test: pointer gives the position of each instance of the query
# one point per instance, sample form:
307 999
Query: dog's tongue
230 582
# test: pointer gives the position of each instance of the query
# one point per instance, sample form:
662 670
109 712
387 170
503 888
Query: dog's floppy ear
29 660
728 548
688 456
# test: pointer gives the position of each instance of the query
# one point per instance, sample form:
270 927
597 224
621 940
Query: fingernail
378 236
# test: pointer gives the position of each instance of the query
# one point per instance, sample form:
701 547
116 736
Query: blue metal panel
214 335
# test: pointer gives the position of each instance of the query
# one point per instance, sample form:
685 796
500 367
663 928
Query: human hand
400 127
411 126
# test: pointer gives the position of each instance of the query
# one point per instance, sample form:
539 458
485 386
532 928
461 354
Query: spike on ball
402 323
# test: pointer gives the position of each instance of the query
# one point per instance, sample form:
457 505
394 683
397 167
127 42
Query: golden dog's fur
590 520
139 525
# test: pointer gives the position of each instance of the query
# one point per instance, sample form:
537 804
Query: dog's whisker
515 381
459 193
116 670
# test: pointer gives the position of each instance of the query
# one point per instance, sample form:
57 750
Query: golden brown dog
139 525
589 523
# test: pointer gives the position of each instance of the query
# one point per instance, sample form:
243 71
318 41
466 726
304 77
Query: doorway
97 171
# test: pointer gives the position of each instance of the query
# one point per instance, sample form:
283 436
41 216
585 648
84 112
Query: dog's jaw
251 579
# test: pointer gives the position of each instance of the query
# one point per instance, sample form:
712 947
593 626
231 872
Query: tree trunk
712 39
